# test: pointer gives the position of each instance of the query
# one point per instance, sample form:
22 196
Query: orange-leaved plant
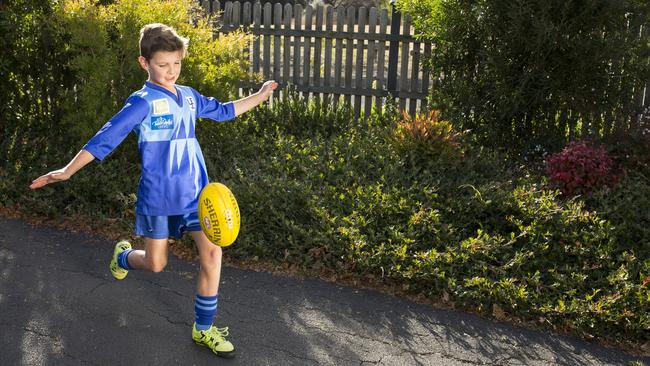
427 134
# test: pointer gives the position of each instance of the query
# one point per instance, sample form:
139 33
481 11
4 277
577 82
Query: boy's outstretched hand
79 161
51 177
267 89
245 104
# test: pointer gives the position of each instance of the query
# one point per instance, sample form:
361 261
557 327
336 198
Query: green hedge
319 191
517 71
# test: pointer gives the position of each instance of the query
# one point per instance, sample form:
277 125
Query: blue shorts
162 227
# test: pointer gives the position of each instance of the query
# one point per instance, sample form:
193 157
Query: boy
163 115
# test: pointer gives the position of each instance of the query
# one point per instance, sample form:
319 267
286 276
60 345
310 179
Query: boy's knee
215 255
157 266
211 259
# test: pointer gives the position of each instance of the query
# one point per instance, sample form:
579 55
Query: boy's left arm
208 107
245 104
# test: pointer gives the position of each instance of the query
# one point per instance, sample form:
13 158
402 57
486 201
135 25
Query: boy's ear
143 63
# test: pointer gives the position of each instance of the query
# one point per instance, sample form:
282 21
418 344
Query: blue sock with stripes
123 259
205 308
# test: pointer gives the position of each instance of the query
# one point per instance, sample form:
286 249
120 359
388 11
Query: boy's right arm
78 162
107 139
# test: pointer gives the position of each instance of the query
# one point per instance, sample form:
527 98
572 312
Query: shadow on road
60 306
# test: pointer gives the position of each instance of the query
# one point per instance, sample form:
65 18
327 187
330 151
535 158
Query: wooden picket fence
360 56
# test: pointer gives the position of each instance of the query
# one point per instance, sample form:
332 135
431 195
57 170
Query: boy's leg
205 306
153 258
210 261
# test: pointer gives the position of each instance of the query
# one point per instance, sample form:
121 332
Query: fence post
393 48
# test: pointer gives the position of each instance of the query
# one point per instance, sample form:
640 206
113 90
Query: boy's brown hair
159 37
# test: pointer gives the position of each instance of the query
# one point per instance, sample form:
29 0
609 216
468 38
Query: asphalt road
59 305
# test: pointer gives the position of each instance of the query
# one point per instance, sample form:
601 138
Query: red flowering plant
581 168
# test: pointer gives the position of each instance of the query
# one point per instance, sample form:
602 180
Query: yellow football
219 214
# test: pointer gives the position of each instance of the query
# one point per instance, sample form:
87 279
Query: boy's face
163 67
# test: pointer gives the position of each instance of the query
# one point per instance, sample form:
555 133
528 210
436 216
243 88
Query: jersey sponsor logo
165 122
190 102
160 106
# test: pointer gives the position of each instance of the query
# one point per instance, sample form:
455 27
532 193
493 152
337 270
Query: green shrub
627 208
513 72
284 163
474 231
631 149
85 55
103 51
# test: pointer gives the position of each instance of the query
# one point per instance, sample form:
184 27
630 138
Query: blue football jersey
173 168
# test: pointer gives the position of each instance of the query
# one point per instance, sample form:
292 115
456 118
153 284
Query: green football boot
117 271
214 338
